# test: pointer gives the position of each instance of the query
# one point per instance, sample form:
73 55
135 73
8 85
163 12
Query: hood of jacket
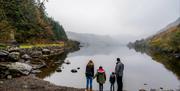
101 70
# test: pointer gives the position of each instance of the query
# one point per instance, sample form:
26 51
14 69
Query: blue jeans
89 81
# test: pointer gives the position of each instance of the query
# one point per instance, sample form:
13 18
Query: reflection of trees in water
171 63
53 62
51 65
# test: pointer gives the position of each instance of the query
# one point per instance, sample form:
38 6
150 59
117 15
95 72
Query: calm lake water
140 69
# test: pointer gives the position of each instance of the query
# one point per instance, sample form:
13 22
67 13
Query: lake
139 69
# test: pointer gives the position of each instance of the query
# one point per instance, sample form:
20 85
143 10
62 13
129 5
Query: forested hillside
167 40
26 21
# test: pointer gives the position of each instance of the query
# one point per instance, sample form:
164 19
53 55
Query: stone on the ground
1 82
36 54
14 56
177 55
58 62
25 86
14 49
46 51
74 71
20 67
9 76
38 66
3 53
36 71
26 57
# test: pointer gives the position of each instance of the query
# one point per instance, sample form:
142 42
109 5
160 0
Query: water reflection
171 63
51 65
140 69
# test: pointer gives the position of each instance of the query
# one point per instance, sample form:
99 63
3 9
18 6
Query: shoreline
20 67
31 83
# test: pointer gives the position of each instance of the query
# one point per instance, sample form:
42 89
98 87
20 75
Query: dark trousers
119 83
100 87
112 87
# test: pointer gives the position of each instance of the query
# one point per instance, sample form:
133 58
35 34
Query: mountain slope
175 23
167 40
26 22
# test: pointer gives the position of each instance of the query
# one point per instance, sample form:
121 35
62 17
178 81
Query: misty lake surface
139 69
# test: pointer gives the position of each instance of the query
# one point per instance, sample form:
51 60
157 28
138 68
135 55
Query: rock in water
142 90
68 62
78 68
74 71
14 56
59 70
152 89
21 67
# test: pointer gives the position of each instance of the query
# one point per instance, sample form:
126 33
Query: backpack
101 78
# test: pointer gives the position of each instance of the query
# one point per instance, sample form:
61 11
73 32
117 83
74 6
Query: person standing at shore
112 80
100 77
119 74
89 74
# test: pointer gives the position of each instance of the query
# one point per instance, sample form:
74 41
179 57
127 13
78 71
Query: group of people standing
100 76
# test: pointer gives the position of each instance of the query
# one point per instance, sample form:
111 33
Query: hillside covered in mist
92 39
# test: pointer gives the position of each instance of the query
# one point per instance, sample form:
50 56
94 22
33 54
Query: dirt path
30 83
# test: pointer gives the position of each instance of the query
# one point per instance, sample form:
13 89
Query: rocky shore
19 67
30 83
15 62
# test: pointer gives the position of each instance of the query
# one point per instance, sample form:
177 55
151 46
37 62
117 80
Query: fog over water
132 18
125 20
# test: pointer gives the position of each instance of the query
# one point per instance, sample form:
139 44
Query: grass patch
2 46
40 45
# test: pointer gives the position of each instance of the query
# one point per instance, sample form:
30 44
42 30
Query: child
112 80
101 77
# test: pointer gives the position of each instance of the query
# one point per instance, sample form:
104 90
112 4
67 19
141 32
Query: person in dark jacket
89 74
112 80
100 77
119 74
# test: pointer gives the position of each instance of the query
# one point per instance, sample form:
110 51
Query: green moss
42 45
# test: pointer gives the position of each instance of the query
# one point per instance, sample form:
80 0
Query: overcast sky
114 17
